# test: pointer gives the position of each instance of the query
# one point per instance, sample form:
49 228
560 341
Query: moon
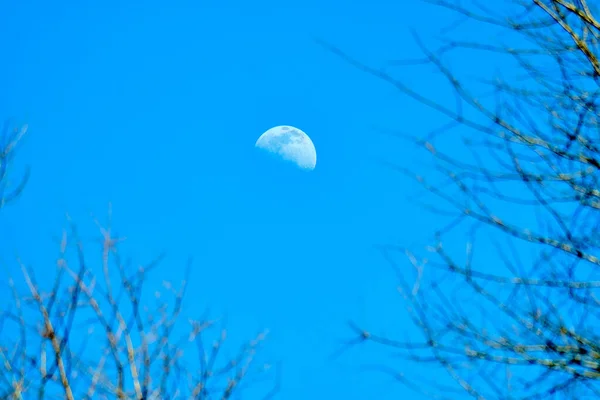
291 144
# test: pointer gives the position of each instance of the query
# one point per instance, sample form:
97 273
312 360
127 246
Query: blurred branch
9 143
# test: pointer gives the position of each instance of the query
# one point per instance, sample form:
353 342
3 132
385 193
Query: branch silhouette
513 311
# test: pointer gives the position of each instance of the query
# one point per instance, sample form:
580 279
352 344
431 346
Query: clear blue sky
156 109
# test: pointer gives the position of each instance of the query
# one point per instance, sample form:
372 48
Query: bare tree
97 329
516 175
94 335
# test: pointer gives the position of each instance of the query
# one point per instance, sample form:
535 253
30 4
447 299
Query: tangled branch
516 315
94 333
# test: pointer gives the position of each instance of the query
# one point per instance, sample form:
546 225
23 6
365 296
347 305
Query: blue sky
156 109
